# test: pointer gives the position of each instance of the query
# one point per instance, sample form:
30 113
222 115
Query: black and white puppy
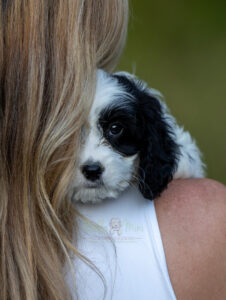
131 138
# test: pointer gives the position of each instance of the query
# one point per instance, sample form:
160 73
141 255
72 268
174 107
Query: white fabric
135 269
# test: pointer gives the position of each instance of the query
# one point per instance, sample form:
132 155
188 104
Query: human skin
192 220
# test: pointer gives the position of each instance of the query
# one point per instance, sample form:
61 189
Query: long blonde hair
49 51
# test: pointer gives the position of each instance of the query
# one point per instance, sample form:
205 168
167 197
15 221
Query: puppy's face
115 142
110 143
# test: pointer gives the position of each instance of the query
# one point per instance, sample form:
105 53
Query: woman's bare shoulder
202 188
188 199
192 220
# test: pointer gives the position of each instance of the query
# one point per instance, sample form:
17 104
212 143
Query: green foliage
179 47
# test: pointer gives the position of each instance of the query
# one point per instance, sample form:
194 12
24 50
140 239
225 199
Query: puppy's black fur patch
148 134
124 113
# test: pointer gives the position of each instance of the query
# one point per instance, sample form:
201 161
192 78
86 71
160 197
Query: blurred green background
179 48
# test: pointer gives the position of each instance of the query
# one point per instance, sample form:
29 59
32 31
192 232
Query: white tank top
128 252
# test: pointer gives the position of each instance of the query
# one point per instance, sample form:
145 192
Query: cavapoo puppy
131 138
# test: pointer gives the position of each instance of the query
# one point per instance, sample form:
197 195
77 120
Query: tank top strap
157 245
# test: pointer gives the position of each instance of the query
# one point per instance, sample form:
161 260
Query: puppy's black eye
116 130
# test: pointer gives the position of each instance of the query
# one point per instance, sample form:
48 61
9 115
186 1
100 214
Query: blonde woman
49 51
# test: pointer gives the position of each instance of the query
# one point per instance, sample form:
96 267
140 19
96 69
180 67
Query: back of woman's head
49 51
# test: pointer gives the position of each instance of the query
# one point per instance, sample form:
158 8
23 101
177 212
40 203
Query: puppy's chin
97 194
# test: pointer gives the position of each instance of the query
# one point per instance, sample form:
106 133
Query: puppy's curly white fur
131 139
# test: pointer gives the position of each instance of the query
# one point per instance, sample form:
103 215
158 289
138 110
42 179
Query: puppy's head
127 139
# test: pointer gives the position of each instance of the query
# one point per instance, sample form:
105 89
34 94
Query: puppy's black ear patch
158 150
158 155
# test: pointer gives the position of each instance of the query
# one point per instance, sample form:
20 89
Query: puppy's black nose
92 171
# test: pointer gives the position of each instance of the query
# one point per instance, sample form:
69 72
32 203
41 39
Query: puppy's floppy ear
159 152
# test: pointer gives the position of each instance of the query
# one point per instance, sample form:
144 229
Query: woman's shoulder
192 220
194 187
190 198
